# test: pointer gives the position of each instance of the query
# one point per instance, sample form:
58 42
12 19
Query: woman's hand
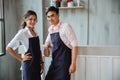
26 57
42 68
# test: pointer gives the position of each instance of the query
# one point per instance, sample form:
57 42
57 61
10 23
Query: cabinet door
116 68
80 73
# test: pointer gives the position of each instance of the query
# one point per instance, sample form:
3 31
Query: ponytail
23 24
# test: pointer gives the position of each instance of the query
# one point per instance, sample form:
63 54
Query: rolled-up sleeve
48 38
15 42
71 36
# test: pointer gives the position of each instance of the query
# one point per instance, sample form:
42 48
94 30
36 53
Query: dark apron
61 60
31 68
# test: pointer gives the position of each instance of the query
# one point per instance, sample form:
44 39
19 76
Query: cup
70 4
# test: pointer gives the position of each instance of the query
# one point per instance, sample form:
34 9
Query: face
31 21
53 17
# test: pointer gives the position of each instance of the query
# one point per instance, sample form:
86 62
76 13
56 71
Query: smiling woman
2 30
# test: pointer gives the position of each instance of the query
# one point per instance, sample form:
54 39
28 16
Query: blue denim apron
61 60
31 68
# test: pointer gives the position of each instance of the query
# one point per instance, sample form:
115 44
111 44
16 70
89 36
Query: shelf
74 7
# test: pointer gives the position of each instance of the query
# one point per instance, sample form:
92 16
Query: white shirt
66 32
22 36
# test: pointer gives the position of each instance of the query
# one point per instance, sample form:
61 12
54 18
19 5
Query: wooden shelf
74 7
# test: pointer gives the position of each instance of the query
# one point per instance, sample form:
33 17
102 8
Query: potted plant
69 1
58 0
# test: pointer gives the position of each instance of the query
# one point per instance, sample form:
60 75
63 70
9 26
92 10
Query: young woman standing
31 60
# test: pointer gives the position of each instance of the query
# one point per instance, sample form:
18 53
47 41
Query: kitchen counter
99 50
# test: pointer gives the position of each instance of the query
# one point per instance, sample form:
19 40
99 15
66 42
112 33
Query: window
2 30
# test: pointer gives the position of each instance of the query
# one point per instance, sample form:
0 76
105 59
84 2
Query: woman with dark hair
63 41
32 64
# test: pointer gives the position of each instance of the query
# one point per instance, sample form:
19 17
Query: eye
52 15
32 19
35 19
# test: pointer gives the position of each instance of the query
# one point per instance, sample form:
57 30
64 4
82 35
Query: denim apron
61 60
31 68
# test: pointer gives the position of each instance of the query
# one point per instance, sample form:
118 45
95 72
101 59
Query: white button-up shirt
67 34
22 37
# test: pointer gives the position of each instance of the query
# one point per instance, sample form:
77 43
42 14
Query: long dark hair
27 14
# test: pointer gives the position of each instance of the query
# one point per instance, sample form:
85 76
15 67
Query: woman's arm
18 57
41 63
14 54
